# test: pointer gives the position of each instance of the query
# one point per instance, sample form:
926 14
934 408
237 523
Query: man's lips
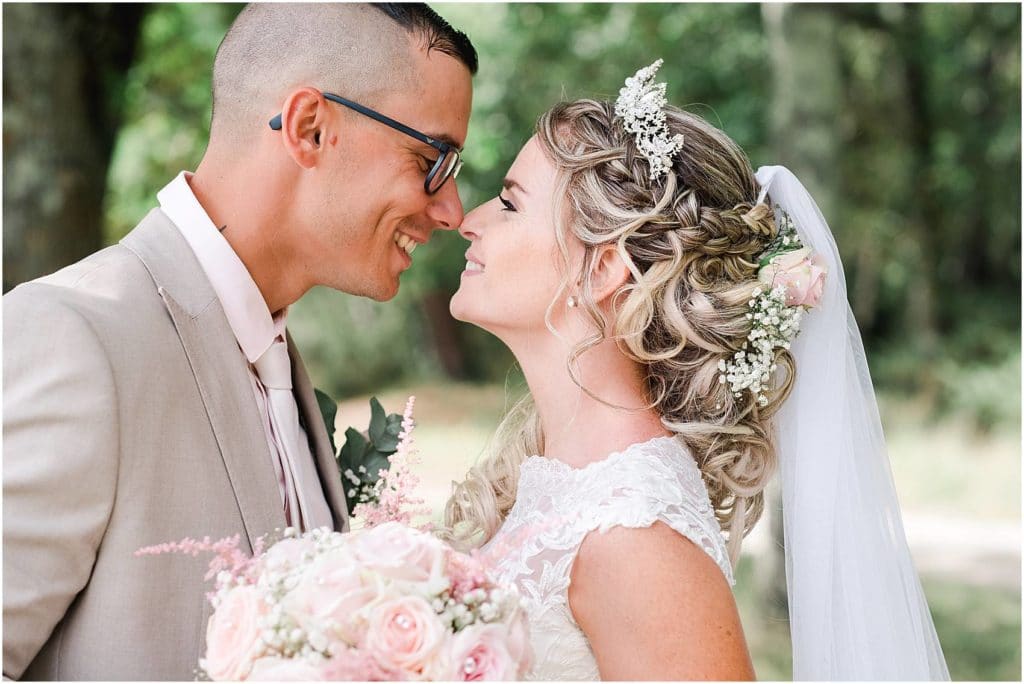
408 242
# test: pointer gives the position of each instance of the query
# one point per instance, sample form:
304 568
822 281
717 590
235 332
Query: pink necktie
304 504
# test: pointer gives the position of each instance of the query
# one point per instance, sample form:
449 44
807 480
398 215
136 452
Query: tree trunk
806 95
921 316
63 68
445 333
805 113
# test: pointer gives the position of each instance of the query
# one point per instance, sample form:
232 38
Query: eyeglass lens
449 167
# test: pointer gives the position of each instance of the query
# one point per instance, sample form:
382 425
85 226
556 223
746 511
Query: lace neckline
545 464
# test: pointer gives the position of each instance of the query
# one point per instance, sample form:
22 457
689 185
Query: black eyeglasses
446 166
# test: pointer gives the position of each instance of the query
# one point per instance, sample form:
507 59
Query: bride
651 286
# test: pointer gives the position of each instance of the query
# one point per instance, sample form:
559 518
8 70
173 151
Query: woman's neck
579 428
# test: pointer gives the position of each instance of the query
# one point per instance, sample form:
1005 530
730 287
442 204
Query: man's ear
608 274
302 125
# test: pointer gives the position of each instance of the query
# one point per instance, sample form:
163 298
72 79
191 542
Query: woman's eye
508 205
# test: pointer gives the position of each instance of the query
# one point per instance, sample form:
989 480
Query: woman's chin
458 307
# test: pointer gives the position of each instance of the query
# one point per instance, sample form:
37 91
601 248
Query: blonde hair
690 240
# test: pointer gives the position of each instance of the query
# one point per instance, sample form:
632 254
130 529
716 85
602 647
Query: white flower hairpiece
640 104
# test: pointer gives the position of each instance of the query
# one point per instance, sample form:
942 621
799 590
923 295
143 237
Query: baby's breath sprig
773 325
773 322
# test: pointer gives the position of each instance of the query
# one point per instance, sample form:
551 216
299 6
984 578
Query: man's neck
248 229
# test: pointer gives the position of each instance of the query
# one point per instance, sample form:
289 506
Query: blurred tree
805 105
167 105
63 79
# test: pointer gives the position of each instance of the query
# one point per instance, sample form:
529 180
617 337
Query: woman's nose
470 227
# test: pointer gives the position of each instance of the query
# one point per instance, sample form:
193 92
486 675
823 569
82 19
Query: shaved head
360 51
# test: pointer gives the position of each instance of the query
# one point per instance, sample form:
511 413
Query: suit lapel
319 444
219 368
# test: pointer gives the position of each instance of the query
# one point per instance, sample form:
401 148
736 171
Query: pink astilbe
227 556
394 500
468 572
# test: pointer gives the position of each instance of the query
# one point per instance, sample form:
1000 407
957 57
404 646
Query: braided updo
691 239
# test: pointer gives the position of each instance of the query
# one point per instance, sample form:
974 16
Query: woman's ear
302 125
608 274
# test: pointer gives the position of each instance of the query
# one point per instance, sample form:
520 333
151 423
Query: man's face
370 203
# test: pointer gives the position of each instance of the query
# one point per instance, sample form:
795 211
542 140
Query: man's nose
445 207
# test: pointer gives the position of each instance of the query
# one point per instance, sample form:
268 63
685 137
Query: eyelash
508 205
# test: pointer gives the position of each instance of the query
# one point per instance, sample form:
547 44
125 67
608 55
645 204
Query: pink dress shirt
254 327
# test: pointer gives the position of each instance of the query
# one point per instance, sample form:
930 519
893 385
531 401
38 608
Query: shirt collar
244 306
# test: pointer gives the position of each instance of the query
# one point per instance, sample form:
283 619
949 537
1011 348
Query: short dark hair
439 35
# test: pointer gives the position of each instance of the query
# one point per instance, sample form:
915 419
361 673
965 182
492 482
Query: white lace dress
557 506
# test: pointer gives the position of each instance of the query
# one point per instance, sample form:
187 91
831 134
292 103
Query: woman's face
513 266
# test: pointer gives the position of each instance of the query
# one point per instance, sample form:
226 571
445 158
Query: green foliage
167 106
988 392
979 628
365 455
329 412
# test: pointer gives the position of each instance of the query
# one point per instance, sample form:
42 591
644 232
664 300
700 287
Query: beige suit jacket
128 420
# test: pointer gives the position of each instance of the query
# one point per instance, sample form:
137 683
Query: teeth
473 266
405 242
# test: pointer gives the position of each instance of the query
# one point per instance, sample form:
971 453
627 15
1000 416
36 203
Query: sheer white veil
857 611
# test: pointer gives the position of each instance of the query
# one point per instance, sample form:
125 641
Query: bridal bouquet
386 602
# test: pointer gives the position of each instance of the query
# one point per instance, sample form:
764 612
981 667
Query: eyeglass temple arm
275 123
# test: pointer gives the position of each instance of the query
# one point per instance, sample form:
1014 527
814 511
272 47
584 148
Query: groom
151 391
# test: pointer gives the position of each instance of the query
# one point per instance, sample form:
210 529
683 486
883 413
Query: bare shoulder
654 605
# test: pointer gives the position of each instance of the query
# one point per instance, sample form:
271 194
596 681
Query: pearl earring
571 302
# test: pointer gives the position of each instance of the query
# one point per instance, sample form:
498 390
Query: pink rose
405 632
402 553
331 589
354 665
287 553
802 272
519 643
232 634
285 670
480 652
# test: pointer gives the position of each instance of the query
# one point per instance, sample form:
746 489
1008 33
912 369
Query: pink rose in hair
232 634
802 272
405 633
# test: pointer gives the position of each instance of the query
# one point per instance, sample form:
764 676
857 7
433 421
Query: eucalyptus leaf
353 452
374 463
394 424
329 412
387 444
378 421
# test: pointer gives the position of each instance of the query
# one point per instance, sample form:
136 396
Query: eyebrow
445 138
510 184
